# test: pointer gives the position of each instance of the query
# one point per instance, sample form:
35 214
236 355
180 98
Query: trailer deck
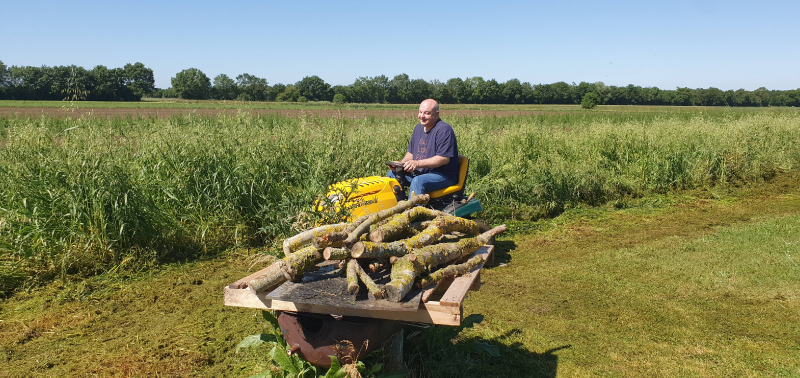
326 293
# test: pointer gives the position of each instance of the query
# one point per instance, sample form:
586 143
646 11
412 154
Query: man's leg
428 182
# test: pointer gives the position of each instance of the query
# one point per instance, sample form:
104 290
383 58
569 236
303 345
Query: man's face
427 115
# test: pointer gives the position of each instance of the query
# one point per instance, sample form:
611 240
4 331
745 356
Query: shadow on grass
502 249
442 352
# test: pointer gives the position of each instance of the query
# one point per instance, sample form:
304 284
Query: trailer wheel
315 337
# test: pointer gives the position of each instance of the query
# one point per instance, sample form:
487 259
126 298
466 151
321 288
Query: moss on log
399 224
404 271
298 241
450 271
450 223
408 267
332 253
398 248
302 261
321 242
352 276
368 282
401 207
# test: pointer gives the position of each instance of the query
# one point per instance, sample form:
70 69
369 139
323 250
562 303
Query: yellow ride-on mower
372 194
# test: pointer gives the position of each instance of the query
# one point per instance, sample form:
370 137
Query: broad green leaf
252 340
335 367
298 362
278 354
375 368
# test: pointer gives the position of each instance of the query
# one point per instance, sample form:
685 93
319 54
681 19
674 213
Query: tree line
129 83
134 81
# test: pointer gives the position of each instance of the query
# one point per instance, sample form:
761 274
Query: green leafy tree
252 88
275 91
4 79
492 92
314 89
590 100
139 80
290 94
339 98
369 90
512 92
400 90
225 88
105 84
192 84
473 90
420 90
455 91
76 85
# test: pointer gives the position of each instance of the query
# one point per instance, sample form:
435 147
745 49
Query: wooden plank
433 314
458 289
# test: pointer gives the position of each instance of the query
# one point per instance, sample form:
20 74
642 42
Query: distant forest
135 81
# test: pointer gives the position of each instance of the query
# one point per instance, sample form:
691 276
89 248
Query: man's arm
409 156
431 162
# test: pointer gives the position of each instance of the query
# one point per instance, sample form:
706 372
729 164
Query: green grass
81 196
702 288
700 283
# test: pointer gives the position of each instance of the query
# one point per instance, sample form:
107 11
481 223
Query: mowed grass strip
705 287
702 289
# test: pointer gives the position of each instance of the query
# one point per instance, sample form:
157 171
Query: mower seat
458 188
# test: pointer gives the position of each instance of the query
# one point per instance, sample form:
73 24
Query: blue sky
696 44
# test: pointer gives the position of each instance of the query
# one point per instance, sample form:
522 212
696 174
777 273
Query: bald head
428 113
430 104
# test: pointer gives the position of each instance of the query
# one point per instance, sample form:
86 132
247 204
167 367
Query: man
431 161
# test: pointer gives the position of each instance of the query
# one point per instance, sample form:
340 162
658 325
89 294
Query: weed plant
80 196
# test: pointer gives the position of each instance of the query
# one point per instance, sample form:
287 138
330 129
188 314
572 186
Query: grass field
700 284
645 241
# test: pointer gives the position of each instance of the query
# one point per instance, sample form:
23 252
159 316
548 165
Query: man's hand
410 165
432 162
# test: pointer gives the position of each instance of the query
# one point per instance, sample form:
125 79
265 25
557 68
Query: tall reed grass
79 196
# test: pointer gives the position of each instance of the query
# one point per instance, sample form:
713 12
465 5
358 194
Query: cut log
352 276
377 265
404 271
407 268
370 250
321 242
450 223
298 241
276 274
302 261
331 253
450 271
430 235
368 282
396 209
399 224
437 255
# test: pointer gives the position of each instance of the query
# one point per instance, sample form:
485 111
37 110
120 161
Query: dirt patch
34 112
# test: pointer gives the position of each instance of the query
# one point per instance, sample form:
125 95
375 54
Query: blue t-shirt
440 141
